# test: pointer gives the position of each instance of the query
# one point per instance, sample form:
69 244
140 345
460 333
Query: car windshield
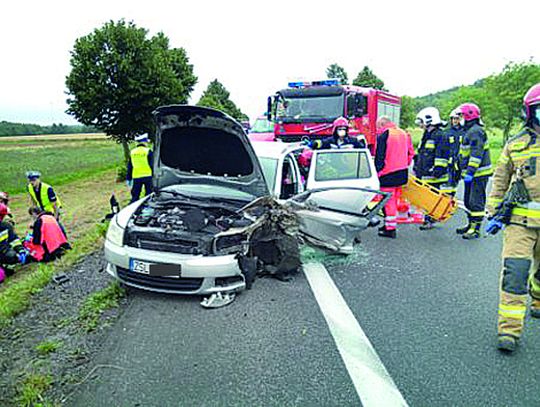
262 125
209 191
310 108
269 167
333 166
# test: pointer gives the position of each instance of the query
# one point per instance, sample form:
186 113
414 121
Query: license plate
138 266
160 270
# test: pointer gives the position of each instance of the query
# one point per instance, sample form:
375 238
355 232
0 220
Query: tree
409 110
119 75
217 97
337 71
368 79
507 90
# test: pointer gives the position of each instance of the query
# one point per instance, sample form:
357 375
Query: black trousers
475 198
137 187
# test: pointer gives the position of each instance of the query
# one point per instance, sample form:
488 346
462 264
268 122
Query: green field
59 161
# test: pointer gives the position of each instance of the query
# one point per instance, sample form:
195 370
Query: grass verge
17 295
47 347
97 303
32 388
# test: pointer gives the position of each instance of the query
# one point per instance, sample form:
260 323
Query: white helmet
456 113
429 116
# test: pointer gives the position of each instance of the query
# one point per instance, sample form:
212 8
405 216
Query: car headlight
115 233
230 244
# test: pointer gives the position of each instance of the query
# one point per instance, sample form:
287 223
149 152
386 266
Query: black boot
463 229
473 232
388 233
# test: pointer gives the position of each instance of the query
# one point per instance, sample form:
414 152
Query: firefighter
455 136
393 156
339 138
11 249
431 161
475 166
521 243
42 195
139 171
4 198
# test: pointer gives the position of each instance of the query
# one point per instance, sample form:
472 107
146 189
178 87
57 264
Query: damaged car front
212 224
190 236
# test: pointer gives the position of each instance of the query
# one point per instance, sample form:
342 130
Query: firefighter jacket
474 151
333 142
455 137
45 197
519 159
431 161
140 163
8 239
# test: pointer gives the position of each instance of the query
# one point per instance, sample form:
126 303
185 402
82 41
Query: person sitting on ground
47 241
11 248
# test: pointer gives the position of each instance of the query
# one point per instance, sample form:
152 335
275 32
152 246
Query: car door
338 203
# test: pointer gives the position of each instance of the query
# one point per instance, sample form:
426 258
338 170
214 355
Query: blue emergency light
324 82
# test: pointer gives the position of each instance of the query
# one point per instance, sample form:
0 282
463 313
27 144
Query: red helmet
532 98
470 111
340 122
3 211
304 159
4 196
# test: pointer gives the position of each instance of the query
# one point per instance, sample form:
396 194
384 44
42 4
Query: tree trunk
125 145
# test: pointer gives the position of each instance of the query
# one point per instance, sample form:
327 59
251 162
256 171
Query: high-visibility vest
139 161
47 205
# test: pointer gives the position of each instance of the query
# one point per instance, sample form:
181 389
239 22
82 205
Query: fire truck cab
308 109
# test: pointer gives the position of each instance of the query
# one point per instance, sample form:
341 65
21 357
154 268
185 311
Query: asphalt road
427 301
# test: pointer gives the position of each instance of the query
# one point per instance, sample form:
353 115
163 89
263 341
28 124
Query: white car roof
273 149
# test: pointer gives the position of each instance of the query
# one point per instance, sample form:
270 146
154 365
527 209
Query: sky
255 48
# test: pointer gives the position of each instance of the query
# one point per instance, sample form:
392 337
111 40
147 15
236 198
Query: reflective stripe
473 164
503 159
528 213
441 162
477 214
530 205
483 171
512 311
494 201
433 180
4 235
475 160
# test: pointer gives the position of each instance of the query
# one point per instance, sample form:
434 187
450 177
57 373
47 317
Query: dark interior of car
204 151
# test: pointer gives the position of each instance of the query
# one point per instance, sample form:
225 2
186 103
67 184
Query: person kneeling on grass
47 241
11 248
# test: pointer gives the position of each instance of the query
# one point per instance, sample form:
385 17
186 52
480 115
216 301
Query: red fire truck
309 108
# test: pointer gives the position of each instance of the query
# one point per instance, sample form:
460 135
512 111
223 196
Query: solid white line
371 380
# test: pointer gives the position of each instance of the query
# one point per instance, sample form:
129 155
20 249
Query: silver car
212 222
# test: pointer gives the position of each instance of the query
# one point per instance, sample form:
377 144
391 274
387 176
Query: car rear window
333 166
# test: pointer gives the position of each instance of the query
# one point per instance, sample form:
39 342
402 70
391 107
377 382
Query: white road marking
371 380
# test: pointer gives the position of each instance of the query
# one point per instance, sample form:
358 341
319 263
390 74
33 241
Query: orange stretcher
434 203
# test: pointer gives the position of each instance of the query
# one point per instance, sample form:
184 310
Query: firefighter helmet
532 98
469 111
429 116
455 114
3 211
340 122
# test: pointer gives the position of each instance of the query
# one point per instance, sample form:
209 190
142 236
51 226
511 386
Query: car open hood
197 145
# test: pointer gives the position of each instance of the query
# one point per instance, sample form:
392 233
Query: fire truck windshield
314 108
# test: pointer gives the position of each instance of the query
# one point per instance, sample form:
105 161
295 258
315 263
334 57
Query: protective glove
22 256
468 178
129 183
493 226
